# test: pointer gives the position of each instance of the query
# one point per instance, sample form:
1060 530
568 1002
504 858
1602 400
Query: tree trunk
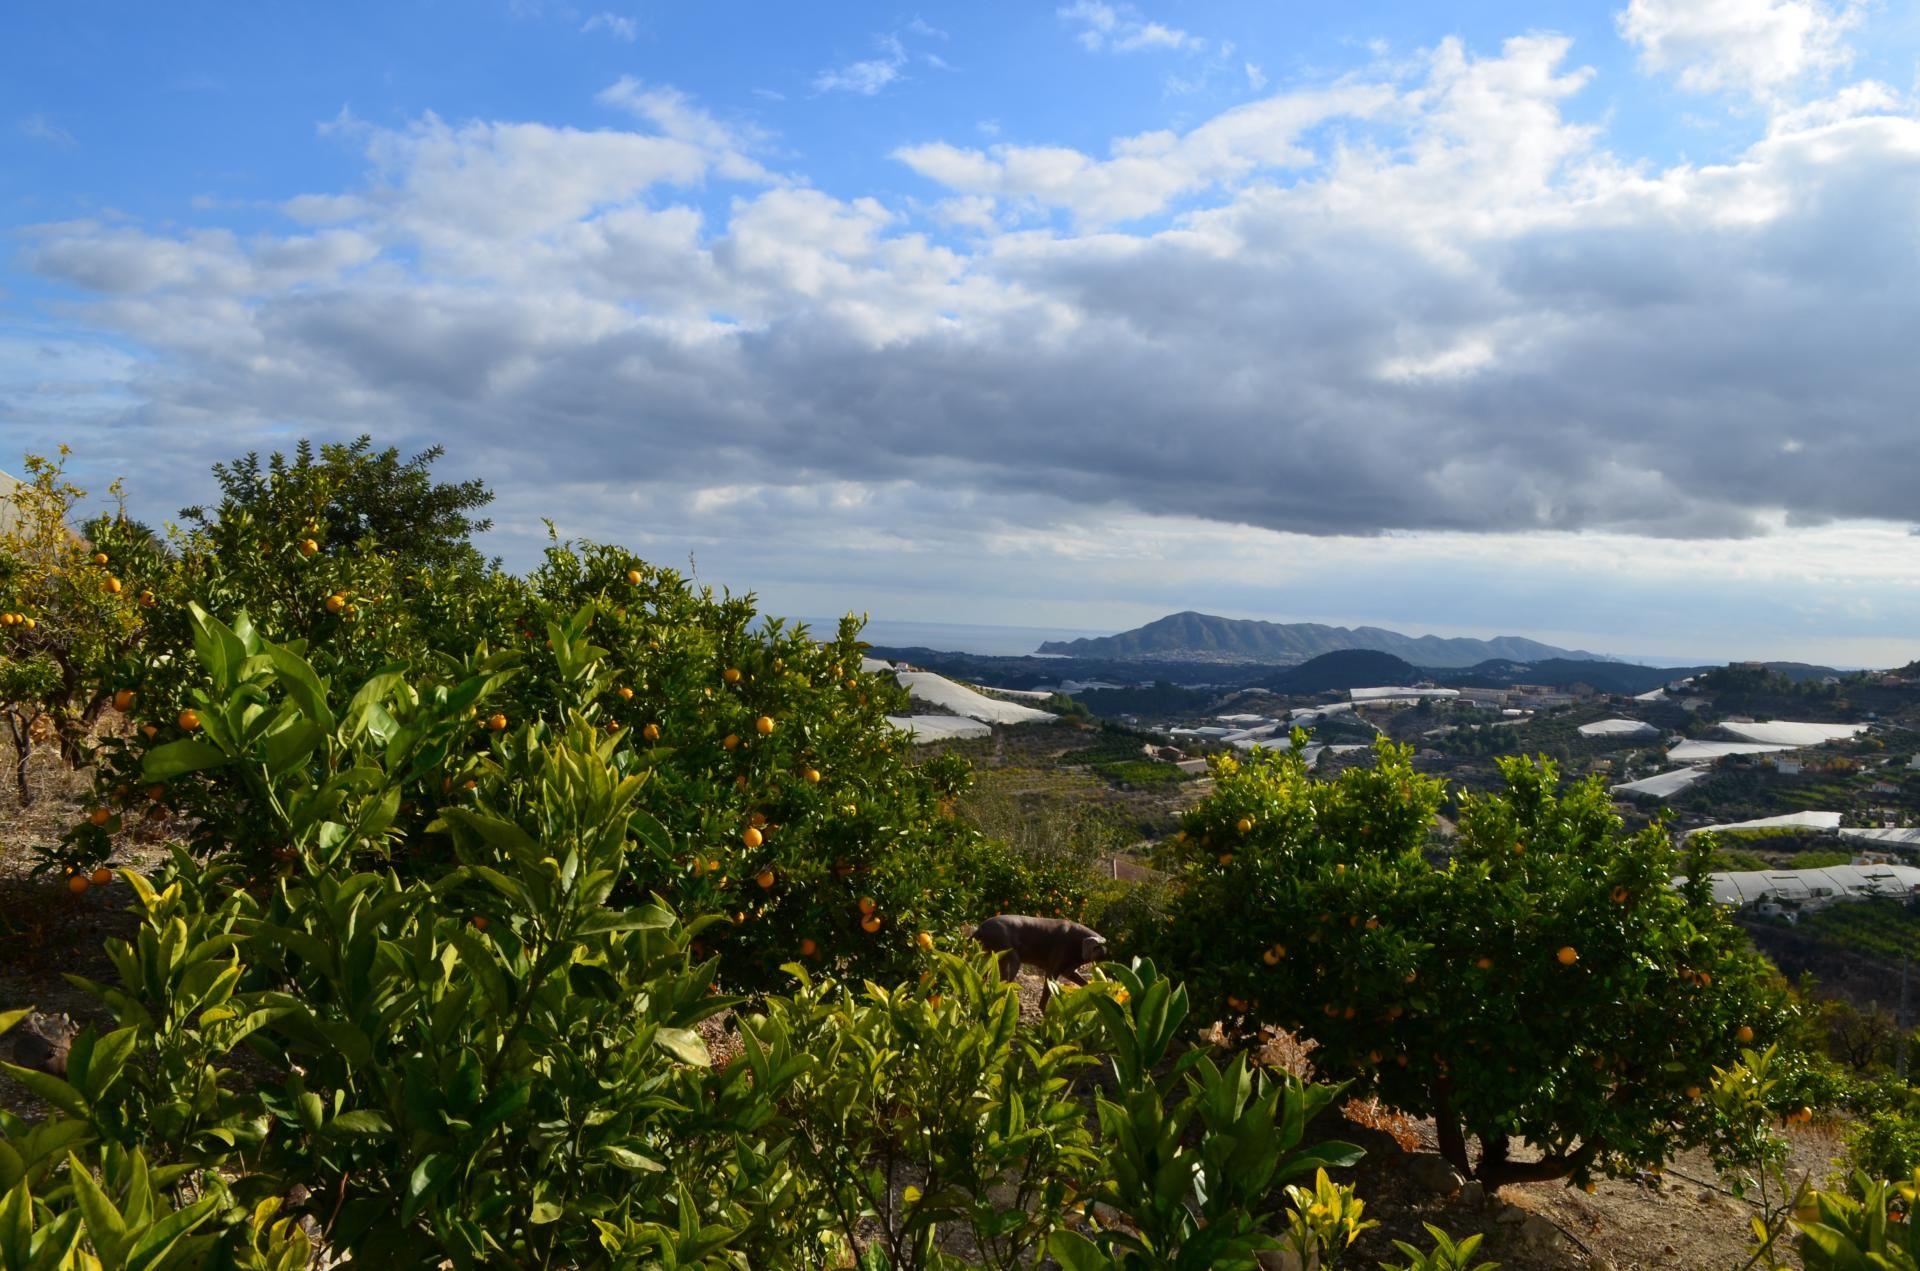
1453 1144
20 733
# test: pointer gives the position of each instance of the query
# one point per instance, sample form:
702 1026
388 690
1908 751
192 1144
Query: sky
1587 322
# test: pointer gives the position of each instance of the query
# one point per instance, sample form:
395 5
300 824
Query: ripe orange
731 675
112 585
27 622
1693 1092
479 922
1519 849
124 699
1245 824
811 776
925 941
1484 962
651 732
1568 955
150 730
808 948
764 878
156 793
752 838
870 924
1226 858
1374 1057
99 816
763 725
1235 1003
99 558
1744 1035
101 876
866 905
189 721
336 602
731 741
497 722
626 694
146 598
308 547
1272 956
633 576
1618 895
77 883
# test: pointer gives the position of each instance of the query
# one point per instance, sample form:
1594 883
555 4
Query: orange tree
791 804
70 613
1547 985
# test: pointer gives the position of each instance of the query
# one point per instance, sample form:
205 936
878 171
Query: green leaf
51 1088
289 747
546 1211
302 685
105 1227
360 1121
685 1045
158 1240
1075 1252
177 758
16 1226
433 1170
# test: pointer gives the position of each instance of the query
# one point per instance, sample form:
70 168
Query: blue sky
1584 321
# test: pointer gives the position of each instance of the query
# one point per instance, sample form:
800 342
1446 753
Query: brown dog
1053 946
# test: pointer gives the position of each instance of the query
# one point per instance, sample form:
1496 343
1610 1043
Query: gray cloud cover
1424 301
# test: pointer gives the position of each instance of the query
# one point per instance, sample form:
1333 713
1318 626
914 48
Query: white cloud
1106 27
866 77
1432 302
1256 78
38 127
1148 171
1758 47
620 28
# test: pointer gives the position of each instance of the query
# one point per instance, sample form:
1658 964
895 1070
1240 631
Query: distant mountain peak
1190 634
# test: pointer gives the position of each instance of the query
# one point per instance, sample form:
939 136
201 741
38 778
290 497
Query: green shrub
1548 985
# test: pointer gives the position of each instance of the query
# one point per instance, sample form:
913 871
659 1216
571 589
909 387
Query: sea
957 637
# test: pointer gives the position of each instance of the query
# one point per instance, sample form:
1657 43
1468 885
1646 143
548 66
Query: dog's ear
1093 949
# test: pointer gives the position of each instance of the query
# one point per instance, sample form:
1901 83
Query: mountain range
1199 635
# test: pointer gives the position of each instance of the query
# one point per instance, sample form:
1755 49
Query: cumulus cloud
1438 302
1757 47
1112 28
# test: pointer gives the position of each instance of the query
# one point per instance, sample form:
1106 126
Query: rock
1539 1232
1285 1260
1473 1194
1433 1174
1511 1215
41 1042
1600 1262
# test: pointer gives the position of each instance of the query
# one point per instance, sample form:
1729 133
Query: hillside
1563 673
1193 634
1345 669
